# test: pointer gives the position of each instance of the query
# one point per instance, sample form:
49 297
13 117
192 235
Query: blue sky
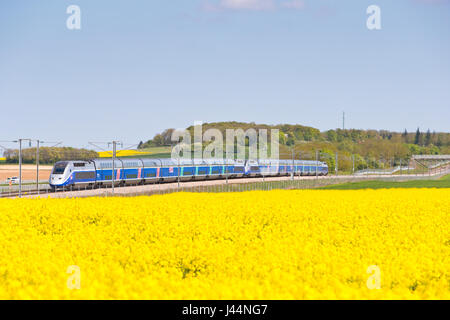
138 67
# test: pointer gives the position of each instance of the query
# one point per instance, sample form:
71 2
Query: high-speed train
96 173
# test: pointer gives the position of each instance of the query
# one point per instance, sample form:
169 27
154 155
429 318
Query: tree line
429 142
364 148
288 133
49 155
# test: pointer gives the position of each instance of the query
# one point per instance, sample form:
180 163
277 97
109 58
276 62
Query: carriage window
106 165
187 172
150 175
202 171
131 176
84 175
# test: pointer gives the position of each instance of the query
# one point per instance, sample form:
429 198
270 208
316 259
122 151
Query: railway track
151 188
15 194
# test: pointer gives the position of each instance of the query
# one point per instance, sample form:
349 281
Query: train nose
55 180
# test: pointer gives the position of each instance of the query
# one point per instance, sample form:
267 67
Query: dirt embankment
28 172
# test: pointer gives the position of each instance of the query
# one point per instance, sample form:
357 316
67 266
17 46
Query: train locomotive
133 171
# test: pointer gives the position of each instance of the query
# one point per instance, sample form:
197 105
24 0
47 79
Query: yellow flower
122 153
306 244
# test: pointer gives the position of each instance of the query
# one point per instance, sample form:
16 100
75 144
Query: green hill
370 148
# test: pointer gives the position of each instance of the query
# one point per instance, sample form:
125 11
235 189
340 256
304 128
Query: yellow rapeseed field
253 245
122 153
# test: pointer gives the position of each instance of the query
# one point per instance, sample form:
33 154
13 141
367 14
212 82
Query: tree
428 138
282 138
290 141
298 133
331 135
405 136
308 135
49 155
167 136
158 140
328 156
439 142
417 138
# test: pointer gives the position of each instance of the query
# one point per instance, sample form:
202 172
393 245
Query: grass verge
444 182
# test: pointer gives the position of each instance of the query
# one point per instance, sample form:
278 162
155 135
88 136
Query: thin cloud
293 4
433 1
247 4
252 5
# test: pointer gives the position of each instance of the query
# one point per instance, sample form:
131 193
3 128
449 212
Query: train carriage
104 171
201 171
169 169
228 168
264 167
73 173
187 169
216 168
252 168
281 168
238 169
151 171
131 171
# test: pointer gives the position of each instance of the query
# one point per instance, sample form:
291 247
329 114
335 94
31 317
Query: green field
152 156
155 150
444 182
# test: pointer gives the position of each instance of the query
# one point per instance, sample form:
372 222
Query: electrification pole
20 163
353 164
292 169
37 166
19 141
343 120
226 170
300 165
336 164
178 172
114 144
113 166
20 168
317 163
38 142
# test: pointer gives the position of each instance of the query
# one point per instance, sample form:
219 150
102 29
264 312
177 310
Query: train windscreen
59 167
